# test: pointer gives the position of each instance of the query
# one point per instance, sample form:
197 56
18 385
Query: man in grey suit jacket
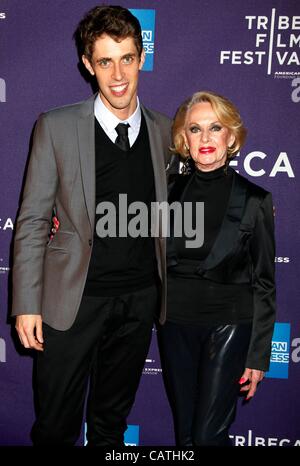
86 302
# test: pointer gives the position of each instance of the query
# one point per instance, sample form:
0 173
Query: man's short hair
115 21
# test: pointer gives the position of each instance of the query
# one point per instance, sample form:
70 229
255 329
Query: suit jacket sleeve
33 223
262 250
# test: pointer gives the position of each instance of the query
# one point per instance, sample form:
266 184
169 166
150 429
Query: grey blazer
49 277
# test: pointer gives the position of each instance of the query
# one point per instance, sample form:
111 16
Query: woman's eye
216 128
194 129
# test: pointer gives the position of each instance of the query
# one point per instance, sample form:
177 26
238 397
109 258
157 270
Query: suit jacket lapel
157 151
228 234
86 143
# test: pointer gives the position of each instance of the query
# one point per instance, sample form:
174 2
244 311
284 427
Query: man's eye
128 59
104 63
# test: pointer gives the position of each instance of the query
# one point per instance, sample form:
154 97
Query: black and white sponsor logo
6 224
295 352
296 90
2 350
287 75
282 260
148 42
253 164
2 81
273 42
2 90
251 440
151 367
3 268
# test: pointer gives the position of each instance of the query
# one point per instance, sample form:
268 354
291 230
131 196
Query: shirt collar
109 121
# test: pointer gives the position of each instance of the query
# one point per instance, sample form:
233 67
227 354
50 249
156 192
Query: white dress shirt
109 121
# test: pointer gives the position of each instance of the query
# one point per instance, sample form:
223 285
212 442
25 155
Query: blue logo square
147 21
132 435
279 362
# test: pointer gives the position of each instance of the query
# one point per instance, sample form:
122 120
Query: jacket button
90 242
200 272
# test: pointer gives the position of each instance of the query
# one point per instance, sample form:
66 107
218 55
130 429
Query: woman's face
206 138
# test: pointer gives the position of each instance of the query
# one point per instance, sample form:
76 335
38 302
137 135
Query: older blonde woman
216 341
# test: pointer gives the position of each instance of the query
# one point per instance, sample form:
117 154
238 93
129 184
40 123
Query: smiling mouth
119 90
207 150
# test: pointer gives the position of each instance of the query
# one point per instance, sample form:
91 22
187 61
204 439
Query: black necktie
122 140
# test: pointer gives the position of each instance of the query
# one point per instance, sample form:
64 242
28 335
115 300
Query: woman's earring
186 167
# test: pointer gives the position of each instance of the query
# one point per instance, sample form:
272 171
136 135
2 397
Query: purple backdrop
248 51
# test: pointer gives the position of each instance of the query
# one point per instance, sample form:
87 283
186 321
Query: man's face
116 66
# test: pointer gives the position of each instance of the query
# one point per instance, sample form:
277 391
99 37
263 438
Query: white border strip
271 40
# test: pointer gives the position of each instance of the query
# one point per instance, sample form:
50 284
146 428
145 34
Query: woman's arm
262 251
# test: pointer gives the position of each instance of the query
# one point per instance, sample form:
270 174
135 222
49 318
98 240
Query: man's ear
88 65
142 59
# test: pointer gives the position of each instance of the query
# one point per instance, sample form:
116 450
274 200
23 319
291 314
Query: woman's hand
250 379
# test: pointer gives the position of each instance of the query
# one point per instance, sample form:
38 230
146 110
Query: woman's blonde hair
226 112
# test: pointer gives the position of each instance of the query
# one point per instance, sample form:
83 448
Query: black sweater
121 264
191 298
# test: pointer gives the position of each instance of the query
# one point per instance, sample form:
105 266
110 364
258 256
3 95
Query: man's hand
29 328
251 378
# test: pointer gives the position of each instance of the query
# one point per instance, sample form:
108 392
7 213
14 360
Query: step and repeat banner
246 50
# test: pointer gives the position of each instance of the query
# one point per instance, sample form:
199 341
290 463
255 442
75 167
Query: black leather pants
202 365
